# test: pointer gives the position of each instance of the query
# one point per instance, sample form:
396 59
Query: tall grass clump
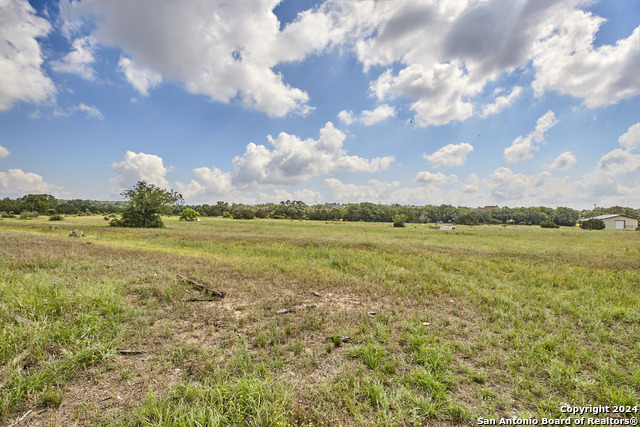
52 329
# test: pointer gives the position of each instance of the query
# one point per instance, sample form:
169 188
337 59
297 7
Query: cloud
210 181
563 162
618 162
380 191
600 184
4 152
449 155
439 178
142 79
290 161
136 167
16 182
631 139
522 147
366 117
542 188
567 61
381 113
473 43
90 110
358 164
500 103
22 78
79 60
293 160
224 50
471 184
346 117
375 190
443 91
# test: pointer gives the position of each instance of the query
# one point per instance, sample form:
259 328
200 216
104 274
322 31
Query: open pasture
383 326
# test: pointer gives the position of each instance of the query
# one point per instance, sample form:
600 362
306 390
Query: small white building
619 222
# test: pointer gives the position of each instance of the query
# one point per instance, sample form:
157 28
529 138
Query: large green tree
147 203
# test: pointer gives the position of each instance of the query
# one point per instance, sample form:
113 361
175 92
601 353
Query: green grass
483 321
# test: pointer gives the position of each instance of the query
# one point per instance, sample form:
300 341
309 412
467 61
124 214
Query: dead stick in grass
21 418
296 308
130 352
202 287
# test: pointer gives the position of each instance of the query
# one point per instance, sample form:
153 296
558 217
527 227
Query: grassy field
388 326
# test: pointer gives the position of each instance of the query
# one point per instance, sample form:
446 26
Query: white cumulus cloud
21 75
293 160
472 43
224 50
509 187
136 167
142 79
631 139
16 182
567 61
79 61
439 178
367 117
500 103
90 110
383 192
449 155
619 161
564 161
346 117
4 152
523 147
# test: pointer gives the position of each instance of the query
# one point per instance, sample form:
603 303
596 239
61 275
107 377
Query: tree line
45 204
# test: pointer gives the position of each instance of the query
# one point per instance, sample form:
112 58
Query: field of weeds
321 323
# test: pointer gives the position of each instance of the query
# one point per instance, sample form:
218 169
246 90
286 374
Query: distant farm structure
615 221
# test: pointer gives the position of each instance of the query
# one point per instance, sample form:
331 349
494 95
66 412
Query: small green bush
5 214
189 214
248 214
398 220
56 217
592 224
466 219
29 215
227 214
549 224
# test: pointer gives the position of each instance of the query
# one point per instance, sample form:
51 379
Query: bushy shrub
466 219
549 224
4 214
592 224
244 214
398 220
189 214
227 214
56 217
29 215
261 213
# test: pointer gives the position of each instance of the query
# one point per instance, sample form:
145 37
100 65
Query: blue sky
467 102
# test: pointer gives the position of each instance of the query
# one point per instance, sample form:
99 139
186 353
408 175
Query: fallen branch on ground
296 308
201 286
130 352
21 418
